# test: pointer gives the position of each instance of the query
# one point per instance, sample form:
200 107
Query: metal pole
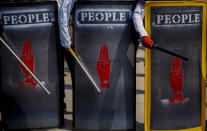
84 69
171 53
5 44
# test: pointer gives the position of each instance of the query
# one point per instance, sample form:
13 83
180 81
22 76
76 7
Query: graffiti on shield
176 82
103 67
28 59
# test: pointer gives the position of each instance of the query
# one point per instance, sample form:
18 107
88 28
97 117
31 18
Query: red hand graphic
28 59
176 80
103 67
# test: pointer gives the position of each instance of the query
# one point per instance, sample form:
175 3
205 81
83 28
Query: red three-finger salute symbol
28 59
176 81
103 67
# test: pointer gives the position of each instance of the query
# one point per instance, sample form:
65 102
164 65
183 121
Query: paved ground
139 96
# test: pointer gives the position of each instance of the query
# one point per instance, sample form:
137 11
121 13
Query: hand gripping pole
84 69
7 46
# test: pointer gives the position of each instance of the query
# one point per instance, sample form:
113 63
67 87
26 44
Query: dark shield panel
176 83
2 1
30 29
104 42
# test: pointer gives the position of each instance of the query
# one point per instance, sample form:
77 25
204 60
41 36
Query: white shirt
138 17
64 9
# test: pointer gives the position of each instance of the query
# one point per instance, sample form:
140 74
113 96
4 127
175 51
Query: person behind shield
64 11
138 17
